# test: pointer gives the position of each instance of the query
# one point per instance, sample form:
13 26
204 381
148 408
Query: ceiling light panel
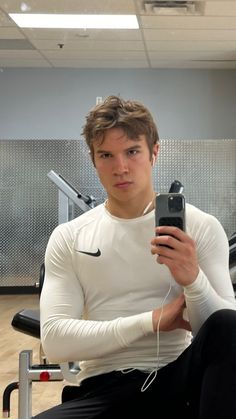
38 20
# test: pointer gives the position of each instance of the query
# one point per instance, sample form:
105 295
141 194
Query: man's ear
154 154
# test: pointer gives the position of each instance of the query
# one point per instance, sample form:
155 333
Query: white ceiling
204 39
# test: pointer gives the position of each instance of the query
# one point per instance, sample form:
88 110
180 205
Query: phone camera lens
175 203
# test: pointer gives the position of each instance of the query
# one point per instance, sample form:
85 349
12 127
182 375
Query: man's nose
120 165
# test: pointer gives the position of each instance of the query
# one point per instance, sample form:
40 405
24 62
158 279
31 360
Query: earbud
153 160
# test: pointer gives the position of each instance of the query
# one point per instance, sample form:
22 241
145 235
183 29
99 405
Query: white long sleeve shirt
102 283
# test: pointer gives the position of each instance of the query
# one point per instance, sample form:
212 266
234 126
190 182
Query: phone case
170 210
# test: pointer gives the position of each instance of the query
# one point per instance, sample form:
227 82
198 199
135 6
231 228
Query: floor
44 395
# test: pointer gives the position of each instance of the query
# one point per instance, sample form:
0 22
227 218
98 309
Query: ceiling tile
15 44
172 41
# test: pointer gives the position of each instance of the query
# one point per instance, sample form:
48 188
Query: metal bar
69 191
25 386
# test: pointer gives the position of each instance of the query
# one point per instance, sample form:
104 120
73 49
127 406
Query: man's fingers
186 325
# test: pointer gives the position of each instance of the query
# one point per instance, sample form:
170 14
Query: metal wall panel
29 200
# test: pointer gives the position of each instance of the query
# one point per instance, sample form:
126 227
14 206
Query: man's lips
123 184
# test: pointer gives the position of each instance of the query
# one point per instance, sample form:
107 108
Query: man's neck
131 209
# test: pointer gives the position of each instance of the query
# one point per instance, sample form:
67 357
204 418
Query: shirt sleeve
65 335
212 290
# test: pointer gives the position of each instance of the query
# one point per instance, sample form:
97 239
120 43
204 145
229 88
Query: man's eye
105 155
132 152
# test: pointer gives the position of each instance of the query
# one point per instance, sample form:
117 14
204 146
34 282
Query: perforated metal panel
29 200
207 169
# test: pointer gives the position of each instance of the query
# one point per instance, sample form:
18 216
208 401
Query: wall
52 103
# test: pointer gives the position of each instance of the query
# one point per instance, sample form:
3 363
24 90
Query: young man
152 326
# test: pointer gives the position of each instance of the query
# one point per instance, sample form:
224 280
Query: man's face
123 165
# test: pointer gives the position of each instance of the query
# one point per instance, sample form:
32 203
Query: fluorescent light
37 20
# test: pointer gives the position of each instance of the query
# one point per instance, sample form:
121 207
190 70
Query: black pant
199 384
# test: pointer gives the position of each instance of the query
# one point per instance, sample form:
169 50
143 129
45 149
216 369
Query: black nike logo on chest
95 254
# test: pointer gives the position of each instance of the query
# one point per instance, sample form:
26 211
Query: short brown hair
129 115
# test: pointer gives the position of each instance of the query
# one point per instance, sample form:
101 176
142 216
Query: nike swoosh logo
95 254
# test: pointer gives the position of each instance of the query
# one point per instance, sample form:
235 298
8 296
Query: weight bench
28 321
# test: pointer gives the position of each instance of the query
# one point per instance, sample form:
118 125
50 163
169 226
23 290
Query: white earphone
153 159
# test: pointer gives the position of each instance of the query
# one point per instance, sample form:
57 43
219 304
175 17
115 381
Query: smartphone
170 210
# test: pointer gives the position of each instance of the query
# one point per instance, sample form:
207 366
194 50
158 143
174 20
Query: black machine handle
176 187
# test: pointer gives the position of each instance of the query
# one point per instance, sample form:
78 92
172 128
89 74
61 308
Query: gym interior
47 177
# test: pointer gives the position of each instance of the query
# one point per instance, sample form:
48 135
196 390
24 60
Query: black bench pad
27 321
